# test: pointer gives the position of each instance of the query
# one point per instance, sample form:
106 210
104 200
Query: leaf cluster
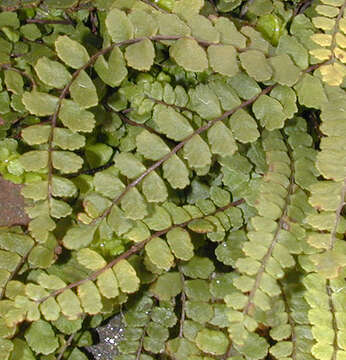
174 172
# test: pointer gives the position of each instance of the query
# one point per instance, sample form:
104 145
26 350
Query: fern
173 173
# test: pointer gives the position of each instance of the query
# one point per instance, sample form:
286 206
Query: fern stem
179 146
134 249
183 303
126 120
93 58
279 227
66 345
181 108
50 21
15 271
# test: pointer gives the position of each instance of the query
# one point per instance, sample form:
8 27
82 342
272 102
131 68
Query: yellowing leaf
71 52
140 56
189 54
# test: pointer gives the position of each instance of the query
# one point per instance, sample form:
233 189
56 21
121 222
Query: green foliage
181 167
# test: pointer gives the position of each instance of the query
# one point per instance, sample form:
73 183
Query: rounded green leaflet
83 91
285 72
197 152
66 161
68 140
36 332
78 237
221 140
39 103
223 59
52 73
189 54
198 267
202 29
253 347
98 154
180 243
213 342
113 71
167 286
34 160
90 298
90 259
171 122
172 25
176 172
119 26
151 146
144 24
75 118
154 188
71 52
36 134
270 112
159 253
256 65
140 56
14 82
126 276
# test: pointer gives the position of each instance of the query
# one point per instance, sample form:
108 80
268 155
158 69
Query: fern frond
330 39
